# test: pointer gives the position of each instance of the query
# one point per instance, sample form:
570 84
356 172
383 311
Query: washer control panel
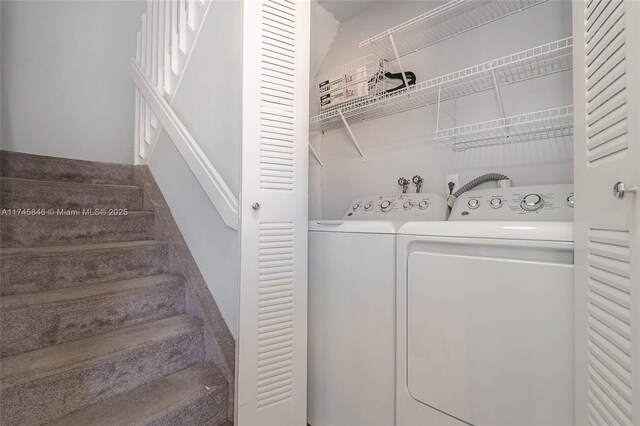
552 203
426 206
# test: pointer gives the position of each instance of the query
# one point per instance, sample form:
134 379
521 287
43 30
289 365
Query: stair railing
170 29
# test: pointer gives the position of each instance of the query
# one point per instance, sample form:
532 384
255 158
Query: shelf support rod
495 85
438 115
315 155
404 77
353 138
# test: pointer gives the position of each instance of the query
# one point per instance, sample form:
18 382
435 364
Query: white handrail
215 187
169 31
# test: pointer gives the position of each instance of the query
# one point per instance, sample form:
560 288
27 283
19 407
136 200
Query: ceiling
343 10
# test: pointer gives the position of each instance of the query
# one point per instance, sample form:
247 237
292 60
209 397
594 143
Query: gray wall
66 87
209 103
403 145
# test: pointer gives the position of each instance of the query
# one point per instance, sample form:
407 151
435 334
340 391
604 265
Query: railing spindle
154 42
167 47
174 37
182 26
149 39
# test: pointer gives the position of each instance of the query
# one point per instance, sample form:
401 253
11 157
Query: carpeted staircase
94 329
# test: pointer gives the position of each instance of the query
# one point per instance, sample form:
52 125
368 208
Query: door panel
607 150
489 340
271 356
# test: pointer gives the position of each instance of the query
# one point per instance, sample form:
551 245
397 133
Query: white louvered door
271 366
607 151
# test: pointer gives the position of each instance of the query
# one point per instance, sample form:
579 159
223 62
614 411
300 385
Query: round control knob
407 205
532 202
570 200
423 205
496 203
386 205
473 203
368 206
356 207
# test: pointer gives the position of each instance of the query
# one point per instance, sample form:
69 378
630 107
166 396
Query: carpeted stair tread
54 267
46 384
194 396
40 194
8 303
51 230
40 167
36 320
74 249
57 358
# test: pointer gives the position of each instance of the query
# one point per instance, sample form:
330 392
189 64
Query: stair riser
50 230
16 193
29 274
210 410
38 326
27 166
61 393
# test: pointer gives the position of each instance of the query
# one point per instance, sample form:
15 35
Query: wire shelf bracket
351 135
314 153
395 51
546 124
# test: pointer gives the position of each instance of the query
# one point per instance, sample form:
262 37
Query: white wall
66 87
403 145
209 103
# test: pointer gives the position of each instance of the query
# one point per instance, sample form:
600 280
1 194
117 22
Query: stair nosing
8 379
77 184
45 251
94 291
194 393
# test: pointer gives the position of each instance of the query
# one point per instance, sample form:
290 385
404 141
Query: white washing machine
485 312
352 272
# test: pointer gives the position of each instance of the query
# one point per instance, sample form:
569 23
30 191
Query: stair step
51 230
33 269
194 396
46 384
41 194
37 320
39 167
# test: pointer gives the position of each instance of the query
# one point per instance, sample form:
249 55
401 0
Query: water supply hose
489 177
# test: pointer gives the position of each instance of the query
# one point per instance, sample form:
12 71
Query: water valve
417 180
404 183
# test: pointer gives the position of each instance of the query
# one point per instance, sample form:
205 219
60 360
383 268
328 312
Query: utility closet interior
400 138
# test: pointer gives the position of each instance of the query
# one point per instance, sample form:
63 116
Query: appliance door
351 329
490 331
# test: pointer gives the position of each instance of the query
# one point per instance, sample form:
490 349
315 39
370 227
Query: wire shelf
547 124
441 23
531 63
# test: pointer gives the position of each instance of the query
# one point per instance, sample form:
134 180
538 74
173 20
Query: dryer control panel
427 206
550 203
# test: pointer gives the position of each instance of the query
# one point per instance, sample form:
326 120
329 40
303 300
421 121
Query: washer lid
355 226
541 231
